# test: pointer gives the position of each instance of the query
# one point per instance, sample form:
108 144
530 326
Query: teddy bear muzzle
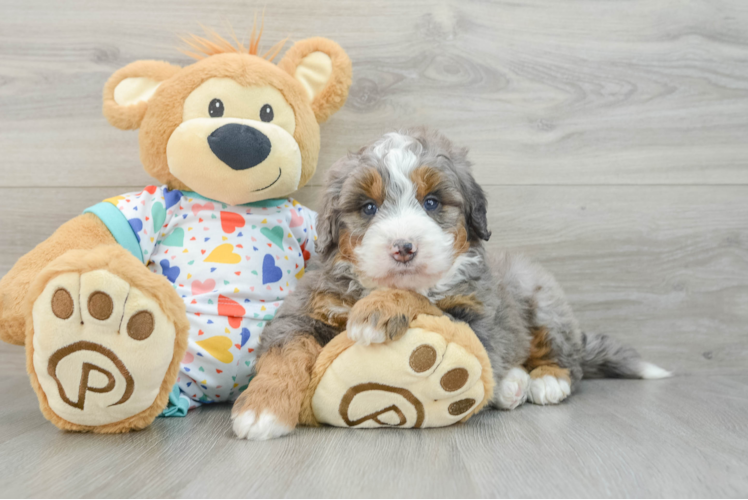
239 146
234 160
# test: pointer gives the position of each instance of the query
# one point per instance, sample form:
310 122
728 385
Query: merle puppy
401 232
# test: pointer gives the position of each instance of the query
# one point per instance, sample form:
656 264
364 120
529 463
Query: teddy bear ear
324 70
127 91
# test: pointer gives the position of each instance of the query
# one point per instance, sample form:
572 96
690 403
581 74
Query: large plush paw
549 386
101 348
420 380
513 388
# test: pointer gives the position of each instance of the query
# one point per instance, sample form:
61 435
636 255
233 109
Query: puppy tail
605 357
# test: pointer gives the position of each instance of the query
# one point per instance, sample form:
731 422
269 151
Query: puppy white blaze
402 217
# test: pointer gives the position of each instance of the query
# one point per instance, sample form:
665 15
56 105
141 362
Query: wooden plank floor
612 140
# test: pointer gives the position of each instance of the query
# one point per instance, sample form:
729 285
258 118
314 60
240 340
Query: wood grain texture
611 140
611 439
573 92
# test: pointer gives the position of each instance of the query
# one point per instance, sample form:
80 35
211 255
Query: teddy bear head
234 126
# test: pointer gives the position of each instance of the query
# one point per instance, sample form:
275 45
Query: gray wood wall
610 136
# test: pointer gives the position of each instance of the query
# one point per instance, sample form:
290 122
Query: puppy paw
513 388
269 407
385 314
366 333
247 425
372 323
548 390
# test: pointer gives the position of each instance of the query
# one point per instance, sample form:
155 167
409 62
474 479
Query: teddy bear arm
81 233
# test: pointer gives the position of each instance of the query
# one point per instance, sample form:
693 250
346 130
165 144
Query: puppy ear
323 68
328 220
475 206
327 228
127 91
477 219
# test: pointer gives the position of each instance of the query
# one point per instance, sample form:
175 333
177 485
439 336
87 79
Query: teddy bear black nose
239 146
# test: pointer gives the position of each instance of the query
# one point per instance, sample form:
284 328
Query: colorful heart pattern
275 235
270 272
230 221
218 347
224 254
199 288
232 310
231 265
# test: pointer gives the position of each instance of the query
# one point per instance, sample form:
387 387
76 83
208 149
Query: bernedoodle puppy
401 232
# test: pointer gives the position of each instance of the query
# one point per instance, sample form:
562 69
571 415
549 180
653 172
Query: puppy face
402 210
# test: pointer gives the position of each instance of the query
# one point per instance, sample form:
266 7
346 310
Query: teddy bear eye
266 113
215 108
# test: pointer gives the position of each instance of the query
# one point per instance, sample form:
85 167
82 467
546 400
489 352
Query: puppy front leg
385 314
270 406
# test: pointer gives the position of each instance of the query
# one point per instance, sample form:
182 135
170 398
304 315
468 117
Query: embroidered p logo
86 370
380 416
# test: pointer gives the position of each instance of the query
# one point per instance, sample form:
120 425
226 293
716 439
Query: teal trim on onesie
178 404
118 225
271 202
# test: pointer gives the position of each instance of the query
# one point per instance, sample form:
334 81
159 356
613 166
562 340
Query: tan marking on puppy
465 302
541 361
461 244
391 310
552 370
347 246
373 185
283 376
540 350
426 180
329 309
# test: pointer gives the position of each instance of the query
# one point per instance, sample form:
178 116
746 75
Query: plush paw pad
548 390
101 347
248 426
419 380
513 388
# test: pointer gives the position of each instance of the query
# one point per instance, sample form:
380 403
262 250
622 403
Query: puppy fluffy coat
401 233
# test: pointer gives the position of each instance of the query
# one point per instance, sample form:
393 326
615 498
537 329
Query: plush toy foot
549 385
435 375
103 352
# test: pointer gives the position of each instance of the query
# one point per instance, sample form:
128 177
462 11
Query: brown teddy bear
190 271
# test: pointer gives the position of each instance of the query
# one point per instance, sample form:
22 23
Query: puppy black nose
239 146
403 251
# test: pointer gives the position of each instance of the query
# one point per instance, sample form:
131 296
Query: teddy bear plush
159 296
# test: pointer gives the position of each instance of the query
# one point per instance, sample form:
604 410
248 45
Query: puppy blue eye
430 204
369 209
